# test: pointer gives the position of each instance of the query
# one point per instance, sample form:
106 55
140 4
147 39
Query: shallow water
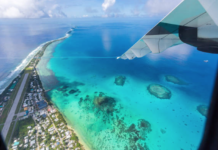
114 124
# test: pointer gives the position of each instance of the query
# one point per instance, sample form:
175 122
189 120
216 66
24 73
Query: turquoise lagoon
84 66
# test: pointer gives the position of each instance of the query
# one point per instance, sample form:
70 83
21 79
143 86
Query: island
34 121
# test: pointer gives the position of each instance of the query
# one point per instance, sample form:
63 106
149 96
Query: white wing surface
201 15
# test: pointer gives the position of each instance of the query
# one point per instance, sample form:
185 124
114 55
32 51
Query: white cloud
29 9
85 16
107 4
160 7
56 12
12 12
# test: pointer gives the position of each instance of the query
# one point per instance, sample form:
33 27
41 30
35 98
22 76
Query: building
51 109
40 96
24 104
27 112
44 115
26 141
32 142
41 104
51 129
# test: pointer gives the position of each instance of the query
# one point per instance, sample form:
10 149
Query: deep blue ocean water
87 61
19 37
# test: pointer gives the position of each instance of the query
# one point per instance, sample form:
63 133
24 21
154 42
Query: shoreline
42 70
41 49
76 133
25 62
82 143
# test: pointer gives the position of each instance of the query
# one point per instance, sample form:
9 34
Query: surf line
78 57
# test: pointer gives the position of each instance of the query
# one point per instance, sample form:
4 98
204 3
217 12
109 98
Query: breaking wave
13 74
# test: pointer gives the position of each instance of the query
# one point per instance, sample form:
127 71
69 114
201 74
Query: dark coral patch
104 103
159 91
175 80
75 84
131 128
144 125
73 91
120 80
162 131
202 109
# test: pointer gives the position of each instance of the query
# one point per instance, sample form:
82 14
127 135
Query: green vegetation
1 126
60 119
51 125
47 139
29 69
74 137
21 127
14 117
40 139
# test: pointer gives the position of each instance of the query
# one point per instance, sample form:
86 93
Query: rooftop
41 104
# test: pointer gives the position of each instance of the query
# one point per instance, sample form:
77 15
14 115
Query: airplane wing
194 22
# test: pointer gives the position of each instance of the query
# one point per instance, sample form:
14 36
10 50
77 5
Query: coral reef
162 131
108 110
73 91
70 88
159 91
104 102
120 80
144 125
175 80
202 109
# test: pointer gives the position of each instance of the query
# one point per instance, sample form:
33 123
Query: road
36 134
61 140
21 114
13 108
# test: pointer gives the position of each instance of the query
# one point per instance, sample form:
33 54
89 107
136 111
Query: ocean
20 39
80 74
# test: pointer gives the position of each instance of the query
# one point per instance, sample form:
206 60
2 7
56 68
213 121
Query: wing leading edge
185 24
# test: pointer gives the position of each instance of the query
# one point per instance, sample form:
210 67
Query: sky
85 8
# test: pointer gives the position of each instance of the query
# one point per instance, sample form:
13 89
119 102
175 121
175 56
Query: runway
13 108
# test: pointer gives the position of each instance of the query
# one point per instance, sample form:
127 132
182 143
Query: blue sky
85 8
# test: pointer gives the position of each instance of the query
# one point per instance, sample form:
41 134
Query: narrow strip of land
13 108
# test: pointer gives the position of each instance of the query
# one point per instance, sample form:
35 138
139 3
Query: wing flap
166 33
